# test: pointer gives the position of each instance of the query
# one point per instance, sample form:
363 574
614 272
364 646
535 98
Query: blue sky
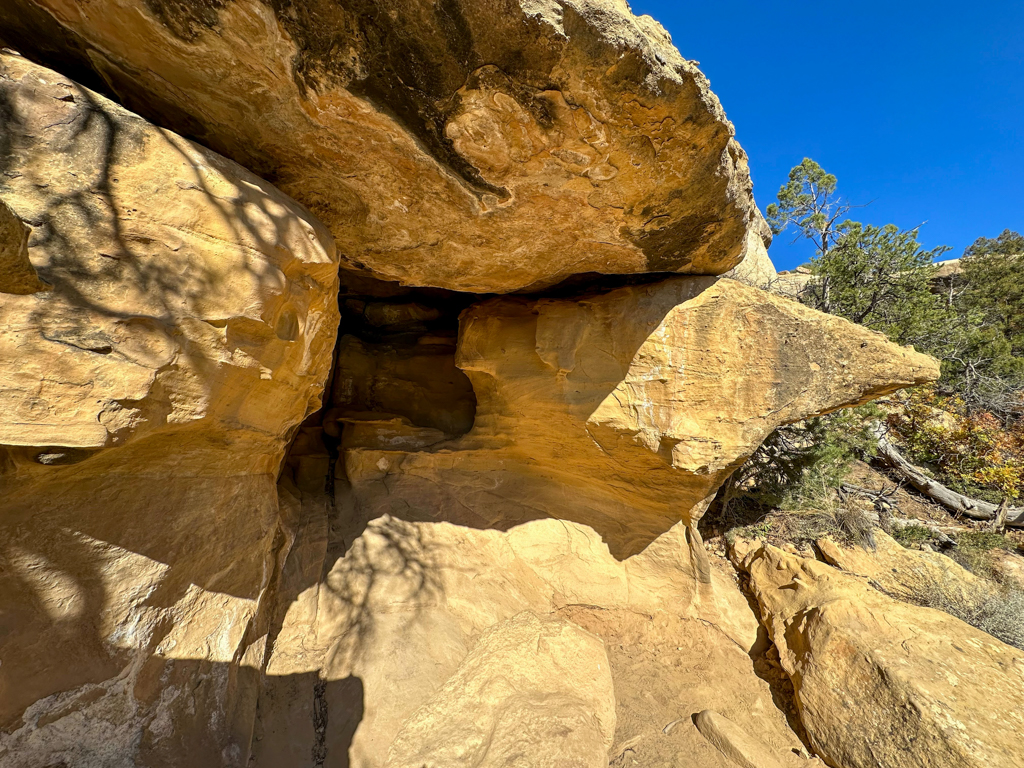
916 106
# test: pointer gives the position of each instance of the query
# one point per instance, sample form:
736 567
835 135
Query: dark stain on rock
490 77
187 19
35 34
409 59
666 247
367 47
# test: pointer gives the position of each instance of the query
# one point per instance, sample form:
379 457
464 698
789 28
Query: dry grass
843 522
999 611
995 608
975 548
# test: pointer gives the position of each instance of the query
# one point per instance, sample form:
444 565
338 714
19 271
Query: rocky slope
884 684
277 492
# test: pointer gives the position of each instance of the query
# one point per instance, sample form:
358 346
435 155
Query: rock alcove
366 369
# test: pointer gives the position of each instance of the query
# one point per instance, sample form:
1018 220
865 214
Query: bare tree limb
936 491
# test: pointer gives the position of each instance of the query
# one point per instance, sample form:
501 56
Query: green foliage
986 540
912 536
986 367
809 202
974 452
800 464
974 551
880 277
992 270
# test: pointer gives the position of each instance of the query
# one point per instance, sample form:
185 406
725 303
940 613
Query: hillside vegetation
938 467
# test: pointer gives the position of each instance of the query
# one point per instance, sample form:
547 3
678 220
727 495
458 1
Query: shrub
800 465
995 609
974 550
841 521
762 529
999 612
912 536
973 452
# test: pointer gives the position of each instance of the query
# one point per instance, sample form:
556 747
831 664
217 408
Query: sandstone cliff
277 492
181 328
433 139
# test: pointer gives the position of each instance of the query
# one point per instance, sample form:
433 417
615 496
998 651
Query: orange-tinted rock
475 146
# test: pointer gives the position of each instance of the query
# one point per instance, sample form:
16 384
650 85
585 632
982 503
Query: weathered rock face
483 550
739 746
478 146
756 269
148 395
417 382
402 621
625 411
586 428
187 292
529 687
880 683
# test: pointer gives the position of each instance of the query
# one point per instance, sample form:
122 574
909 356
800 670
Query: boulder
903 573
1009 567
187 293
883 683
742 748
389 641
531 689
477 146
148 398
626 410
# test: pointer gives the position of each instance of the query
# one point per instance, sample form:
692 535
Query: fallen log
957 503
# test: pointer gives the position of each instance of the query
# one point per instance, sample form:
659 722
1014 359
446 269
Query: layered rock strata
463 530
149 393
466 145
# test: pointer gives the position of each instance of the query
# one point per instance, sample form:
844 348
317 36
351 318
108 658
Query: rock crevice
393 454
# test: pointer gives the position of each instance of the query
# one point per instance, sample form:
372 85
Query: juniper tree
879 277
987 371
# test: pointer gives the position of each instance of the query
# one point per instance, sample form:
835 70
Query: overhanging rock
482 147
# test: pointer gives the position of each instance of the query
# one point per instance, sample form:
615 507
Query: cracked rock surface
147 400
884 683
384 442
476 146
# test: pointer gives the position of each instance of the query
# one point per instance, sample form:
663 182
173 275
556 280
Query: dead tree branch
955 502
